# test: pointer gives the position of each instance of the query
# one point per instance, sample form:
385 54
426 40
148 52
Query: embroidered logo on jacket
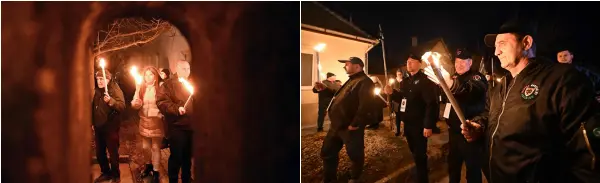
530 92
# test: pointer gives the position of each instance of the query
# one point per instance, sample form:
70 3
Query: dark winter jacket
107 113
469 90
353 103
326 95
540 127
422 101
170 97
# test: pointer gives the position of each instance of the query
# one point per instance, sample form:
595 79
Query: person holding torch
469 88
151 125
541 122
173 102
326 89
107 105
419 112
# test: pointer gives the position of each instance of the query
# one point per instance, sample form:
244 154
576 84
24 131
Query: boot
155 177
103 177
148 168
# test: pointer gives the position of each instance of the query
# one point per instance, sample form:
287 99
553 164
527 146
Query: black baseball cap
353 60
463 54
519 26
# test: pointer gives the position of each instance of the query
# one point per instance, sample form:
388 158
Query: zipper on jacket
589 147
514 80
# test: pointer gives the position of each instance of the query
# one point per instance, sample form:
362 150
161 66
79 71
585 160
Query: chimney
414 41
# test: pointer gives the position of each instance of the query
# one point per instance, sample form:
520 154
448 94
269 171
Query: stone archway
237 48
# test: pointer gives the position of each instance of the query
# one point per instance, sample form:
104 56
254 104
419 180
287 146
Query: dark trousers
418 147
107 137
470 153
181 155
321 114
355 147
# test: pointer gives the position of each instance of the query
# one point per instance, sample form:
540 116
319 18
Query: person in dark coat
565 56
541 121
170 101
469 88
419 110
326 89
350 111
106 108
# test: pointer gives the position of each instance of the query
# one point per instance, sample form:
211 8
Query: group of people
539 123
159 101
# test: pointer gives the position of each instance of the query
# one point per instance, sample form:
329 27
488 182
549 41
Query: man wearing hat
351 109
326 89
106 108
543 122
469 89
419 110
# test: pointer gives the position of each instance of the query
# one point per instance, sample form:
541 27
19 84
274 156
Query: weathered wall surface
244 129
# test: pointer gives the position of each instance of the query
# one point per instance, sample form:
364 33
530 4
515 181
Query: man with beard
350 111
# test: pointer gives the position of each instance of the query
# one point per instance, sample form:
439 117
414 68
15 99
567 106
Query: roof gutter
338 34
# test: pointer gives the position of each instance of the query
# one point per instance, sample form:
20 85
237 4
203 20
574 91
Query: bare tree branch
128 32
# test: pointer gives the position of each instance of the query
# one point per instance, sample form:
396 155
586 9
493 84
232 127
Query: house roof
316 14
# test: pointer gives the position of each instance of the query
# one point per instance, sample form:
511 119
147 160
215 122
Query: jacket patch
530 92
477 77
417 81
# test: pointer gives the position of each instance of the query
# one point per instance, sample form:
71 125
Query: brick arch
237 48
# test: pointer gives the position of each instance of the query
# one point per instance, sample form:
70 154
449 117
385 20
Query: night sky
574 25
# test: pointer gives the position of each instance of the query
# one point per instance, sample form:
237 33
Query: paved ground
133 157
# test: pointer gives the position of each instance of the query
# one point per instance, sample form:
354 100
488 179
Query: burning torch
435 66
136 76
319 48
102 65
377 92
189 87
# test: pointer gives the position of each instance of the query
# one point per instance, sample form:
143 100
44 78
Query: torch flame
136 75
102 63
187 85
391 80
434 55
320 47
377 91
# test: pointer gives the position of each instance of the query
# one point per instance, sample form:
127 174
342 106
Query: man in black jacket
326 89
170 101
351 109
469 89
540 120
106 109
565 56
419 110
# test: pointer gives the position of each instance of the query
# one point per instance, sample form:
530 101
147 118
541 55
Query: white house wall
336 49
